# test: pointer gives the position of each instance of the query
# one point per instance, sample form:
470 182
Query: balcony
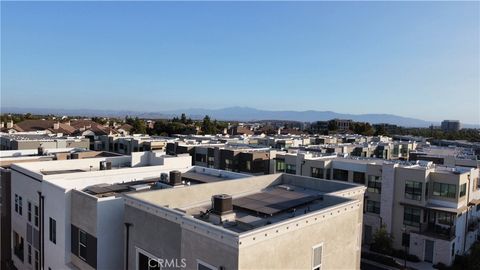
438 231
473 224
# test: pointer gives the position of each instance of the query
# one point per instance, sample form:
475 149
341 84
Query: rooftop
257 201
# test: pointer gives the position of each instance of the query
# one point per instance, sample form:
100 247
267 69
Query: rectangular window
317 253
411 216
29 211
147 262
53 230
205 266
373 207
413 190
248 165
341 175
29 254
200 158
37 260
463 190
82 244
291 169
36 216
211 162
228 164
317 172
405 239
359 178
18 204
444 190
18 246
374 184
280 165
445 218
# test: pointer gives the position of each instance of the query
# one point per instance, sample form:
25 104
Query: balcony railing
438 231
473 224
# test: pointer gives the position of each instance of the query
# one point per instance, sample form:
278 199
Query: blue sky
416 59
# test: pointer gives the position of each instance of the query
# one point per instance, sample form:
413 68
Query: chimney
56 125
10 124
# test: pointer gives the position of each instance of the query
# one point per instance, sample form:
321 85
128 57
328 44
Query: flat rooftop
38 137
257 201
193 176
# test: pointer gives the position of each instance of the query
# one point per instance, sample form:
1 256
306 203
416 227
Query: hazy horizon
412 59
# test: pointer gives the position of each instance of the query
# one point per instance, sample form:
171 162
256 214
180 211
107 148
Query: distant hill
242 114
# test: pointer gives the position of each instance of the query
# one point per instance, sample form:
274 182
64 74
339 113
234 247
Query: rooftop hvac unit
175 178
105 165
222 204
164 177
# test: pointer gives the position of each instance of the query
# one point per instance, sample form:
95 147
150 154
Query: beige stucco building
276 221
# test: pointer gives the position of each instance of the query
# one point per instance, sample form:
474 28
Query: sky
414 59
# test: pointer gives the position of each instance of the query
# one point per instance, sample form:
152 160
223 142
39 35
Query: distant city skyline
413 59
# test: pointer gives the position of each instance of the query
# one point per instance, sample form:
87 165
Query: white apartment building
42 209
433 211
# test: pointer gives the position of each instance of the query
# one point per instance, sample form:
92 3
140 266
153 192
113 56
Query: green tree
207 126
332 125
382 241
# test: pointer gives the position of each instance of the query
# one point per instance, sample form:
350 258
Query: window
291 169
411 216
373 207
18 204
82 244
280 165
405 239
341 175
248 165
317 257
359 178
445 218
413 190
36 216
444 190
478 207
317 172
200 158
374 184
29 254
147 263
211 162
53 230
228 164
29 211
37 260
205 266
463 190
18 246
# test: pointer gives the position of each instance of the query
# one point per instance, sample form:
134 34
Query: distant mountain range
240 114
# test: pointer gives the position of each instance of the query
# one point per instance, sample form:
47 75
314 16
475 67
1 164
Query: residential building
33 140
97 227
42 207
433 206
7 158
276 221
